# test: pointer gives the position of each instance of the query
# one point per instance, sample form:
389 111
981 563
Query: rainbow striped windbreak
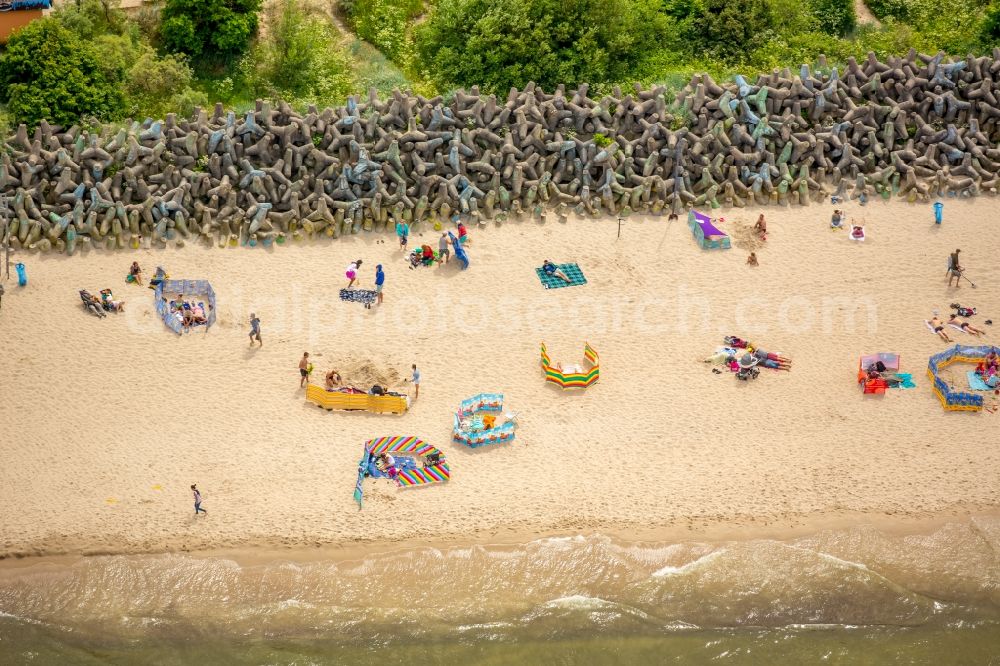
438 473
572 380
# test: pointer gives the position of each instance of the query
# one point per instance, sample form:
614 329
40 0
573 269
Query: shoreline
778 529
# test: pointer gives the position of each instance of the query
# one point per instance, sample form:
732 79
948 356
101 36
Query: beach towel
907 382
364 296
402 464
976 382
572 271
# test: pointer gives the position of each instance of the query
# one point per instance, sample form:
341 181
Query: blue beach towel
975 382
572 271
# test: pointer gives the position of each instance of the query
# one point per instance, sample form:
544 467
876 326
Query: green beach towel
572 271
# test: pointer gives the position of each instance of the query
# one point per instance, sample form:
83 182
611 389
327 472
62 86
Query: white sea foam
684 568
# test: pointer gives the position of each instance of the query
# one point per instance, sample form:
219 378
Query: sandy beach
107 422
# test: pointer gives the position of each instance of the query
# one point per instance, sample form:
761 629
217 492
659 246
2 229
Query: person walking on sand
416 381
379 281
197 500
954 269
403 232
444 251
352 272
255 330
304 369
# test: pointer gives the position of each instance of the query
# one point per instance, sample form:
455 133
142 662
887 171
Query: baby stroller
748 368
91 304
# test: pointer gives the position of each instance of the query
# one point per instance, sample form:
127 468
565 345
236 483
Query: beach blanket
907 382
572 271
976 382
365 296
401 464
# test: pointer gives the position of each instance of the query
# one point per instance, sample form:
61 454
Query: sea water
851 596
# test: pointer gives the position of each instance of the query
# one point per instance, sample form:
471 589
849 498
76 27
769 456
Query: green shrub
496 44
384 23
47 72
835 17
883 9
210 30
730 29
299 59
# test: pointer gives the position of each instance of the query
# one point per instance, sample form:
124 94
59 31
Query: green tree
835 17
47 72
730 29
209 29
497 44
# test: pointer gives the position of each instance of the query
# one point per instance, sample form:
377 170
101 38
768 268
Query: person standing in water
197 500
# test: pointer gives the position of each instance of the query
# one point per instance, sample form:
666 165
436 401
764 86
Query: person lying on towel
552 269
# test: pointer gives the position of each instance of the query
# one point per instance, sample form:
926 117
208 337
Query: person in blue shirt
403 231
379 281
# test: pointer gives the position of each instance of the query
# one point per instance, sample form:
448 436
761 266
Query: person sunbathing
878 371
332 379
965 326
857 231
551 269
198 313
136 273
771 360
837 221
107 299
938 327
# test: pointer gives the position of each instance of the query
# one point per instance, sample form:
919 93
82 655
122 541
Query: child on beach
352 272
416 381
761 227
255 330
304 369
197 500
752 259
444 252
